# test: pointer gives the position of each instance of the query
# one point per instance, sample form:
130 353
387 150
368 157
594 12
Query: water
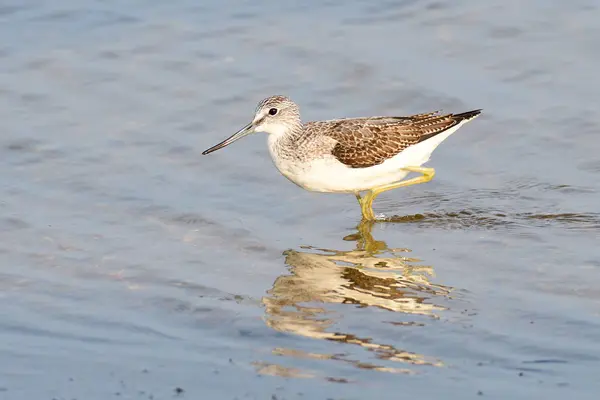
133 267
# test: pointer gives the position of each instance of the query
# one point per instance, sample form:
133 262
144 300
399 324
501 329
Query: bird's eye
273 111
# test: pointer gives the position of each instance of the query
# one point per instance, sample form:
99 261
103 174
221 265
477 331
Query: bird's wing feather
365 142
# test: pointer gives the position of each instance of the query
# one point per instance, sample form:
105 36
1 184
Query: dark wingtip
468 115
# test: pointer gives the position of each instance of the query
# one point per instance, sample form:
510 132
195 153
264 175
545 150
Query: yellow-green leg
366 206
366 203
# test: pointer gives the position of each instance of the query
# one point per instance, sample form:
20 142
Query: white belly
329 175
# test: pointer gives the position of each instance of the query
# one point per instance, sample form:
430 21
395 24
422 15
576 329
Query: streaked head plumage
275 115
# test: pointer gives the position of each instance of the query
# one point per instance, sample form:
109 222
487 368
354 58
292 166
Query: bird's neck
284 142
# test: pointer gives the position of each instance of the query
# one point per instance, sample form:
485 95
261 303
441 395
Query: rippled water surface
133 267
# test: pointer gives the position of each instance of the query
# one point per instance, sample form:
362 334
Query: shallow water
133 267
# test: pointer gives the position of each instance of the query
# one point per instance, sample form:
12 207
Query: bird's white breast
324 173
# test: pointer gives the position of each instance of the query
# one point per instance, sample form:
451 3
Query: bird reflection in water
371 275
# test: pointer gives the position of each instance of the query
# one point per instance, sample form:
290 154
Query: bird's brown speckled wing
365 142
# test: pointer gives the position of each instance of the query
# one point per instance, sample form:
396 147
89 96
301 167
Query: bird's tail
466 116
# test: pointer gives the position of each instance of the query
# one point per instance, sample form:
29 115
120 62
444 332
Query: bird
365 155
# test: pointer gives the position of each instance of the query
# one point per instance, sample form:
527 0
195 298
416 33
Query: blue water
133 267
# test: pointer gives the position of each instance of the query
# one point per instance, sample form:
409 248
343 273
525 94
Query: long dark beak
248 129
